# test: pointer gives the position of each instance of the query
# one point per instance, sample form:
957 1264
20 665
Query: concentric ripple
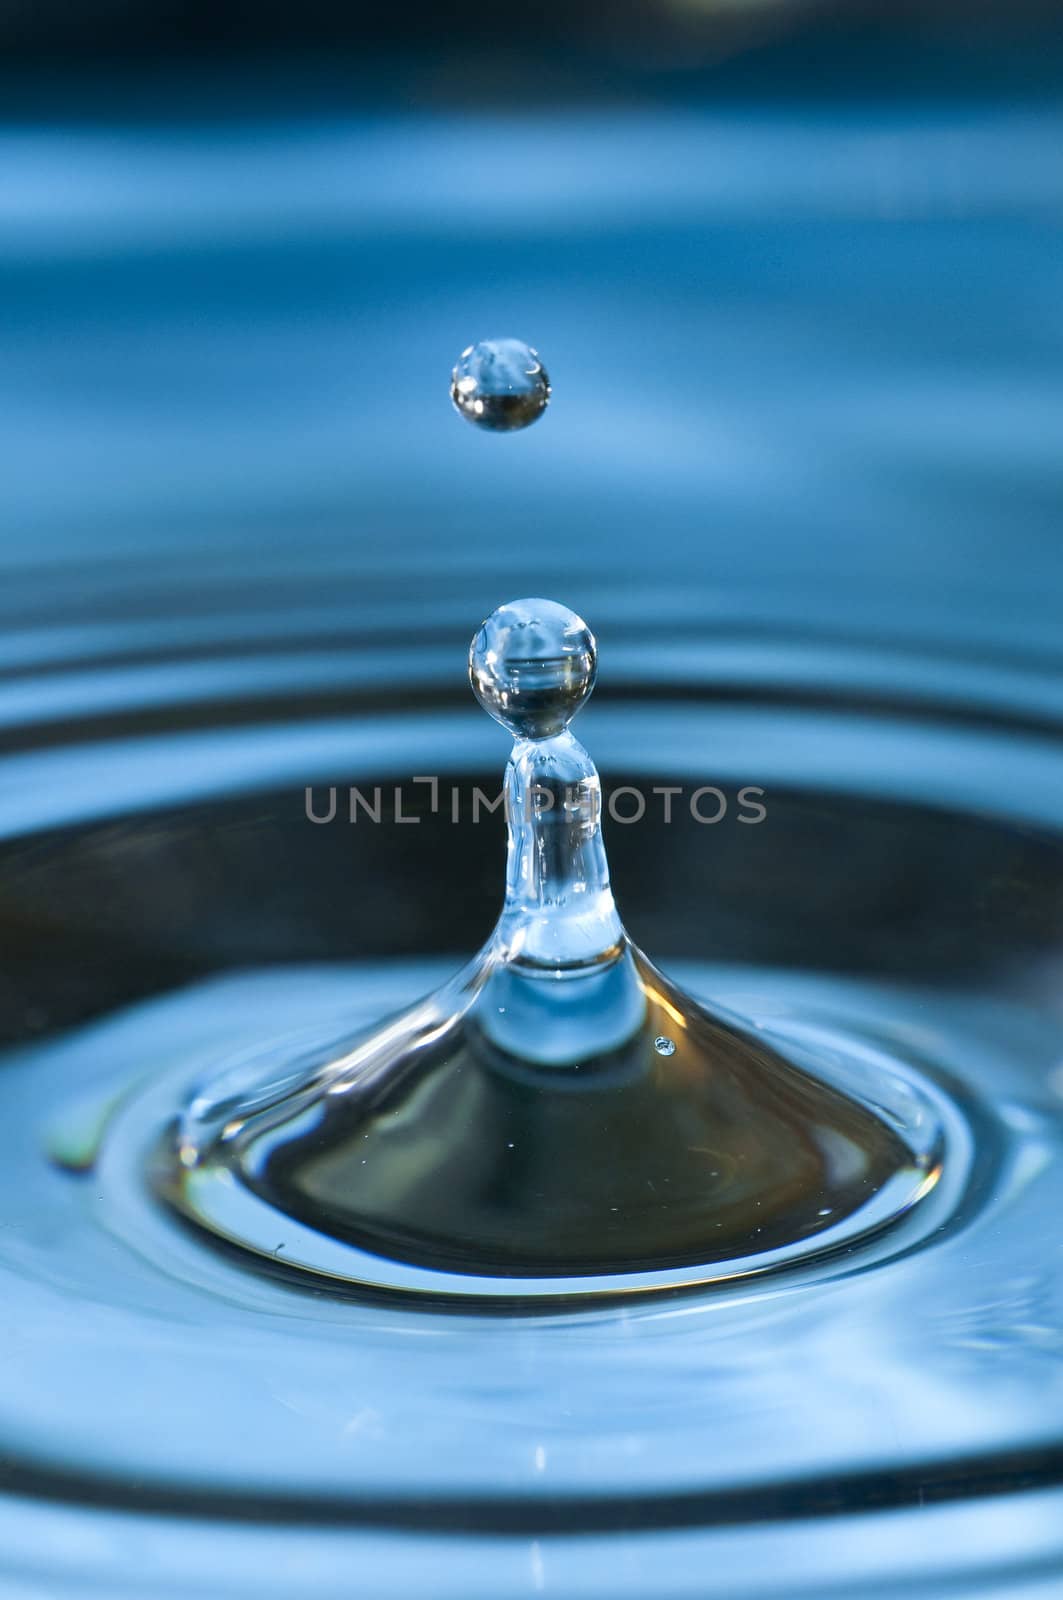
921 1364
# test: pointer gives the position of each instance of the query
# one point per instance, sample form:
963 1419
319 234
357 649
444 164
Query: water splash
560 1118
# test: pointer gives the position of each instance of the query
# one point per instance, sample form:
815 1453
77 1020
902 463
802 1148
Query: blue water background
805 354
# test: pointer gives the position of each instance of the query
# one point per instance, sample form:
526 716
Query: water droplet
500 384
525 1090
532 665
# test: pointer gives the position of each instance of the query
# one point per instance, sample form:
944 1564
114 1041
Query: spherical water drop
500 384
663 1045
532 665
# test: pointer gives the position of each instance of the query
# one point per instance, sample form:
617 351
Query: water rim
915 1201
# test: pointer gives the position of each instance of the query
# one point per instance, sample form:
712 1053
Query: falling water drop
560 1118
500 385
